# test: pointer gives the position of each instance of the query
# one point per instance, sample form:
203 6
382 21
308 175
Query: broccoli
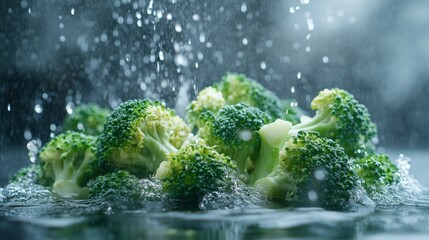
87 118
119 185
311 170
194 171
209 99
138 136
376 172
237 88
341 118
234 132
28 174
66 160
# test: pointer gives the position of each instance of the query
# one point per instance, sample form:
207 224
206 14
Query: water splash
33 149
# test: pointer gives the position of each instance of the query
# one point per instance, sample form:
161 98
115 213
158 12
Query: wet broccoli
341 118
119 185
376 172
87 118
237 88
28 174
194 171
209 99
138 136
233 131
66 160
311 171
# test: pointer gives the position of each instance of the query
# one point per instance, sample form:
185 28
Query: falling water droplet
33 149
298 75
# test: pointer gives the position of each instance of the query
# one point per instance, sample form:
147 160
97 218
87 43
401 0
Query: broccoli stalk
67 159
273 137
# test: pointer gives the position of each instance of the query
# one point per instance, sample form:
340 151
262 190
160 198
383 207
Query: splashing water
33 149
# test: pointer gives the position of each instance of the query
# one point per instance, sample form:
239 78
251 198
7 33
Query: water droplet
62 38
24 4
178 27
310 24
291 10
27 134
245 41
292 89
319 174
307 49
9 107
169 16
80 126
33 149
69 108
263 65
38 108
196 17
245 135
52 127
304 2
243 7
72 11
325 59
298 75
312 196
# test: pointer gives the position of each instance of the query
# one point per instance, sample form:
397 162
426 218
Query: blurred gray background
58 54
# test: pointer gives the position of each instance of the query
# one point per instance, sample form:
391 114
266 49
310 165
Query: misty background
58 54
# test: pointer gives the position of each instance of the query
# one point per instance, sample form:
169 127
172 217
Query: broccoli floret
87 118
137 137
237 88
28 174
311 170
341 118
273 137
119 185
67 160
376 172
194 171
209 99
234 132
293 112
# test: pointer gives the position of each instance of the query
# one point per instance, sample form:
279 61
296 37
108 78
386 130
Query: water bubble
245 135
52 127
33 149
80 126
62 38
312 196
319 175
269 43
103 37
38 108
61 25
45 96
325 59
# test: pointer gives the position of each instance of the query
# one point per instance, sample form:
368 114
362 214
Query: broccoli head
194 171
87 118
311 170
237 88
138 136
209 99
233 131
341 118
119 185
28 174
66 160
376 172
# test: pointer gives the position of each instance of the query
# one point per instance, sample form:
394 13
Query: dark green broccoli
237 88
311 170
376 172
119 185
87 118
28 174
138 136
233 131
194 171
341 118
209 99
66 160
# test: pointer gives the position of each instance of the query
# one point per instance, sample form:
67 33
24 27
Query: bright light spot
169 16
243 7
72 11
8 107
45 96
291 10
263 65
38 108
196 17
245 41
269 43
325 59
103 37
304 1
52 127
33 148
312 196
310 24
292 89
69 108
62 38
307 49
245 135
298 75
319 175
27 134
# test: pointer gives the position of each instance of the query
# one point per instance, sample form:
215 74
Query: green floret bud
28 174
237 88
194 171
313 171
67 160
119 185
341 118
376 172
209 99
87 118
138 136
234 132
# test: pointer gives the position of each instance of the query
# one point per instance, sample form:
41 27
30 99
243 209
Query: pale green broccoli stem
323 122
276 186
67 176
273 137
